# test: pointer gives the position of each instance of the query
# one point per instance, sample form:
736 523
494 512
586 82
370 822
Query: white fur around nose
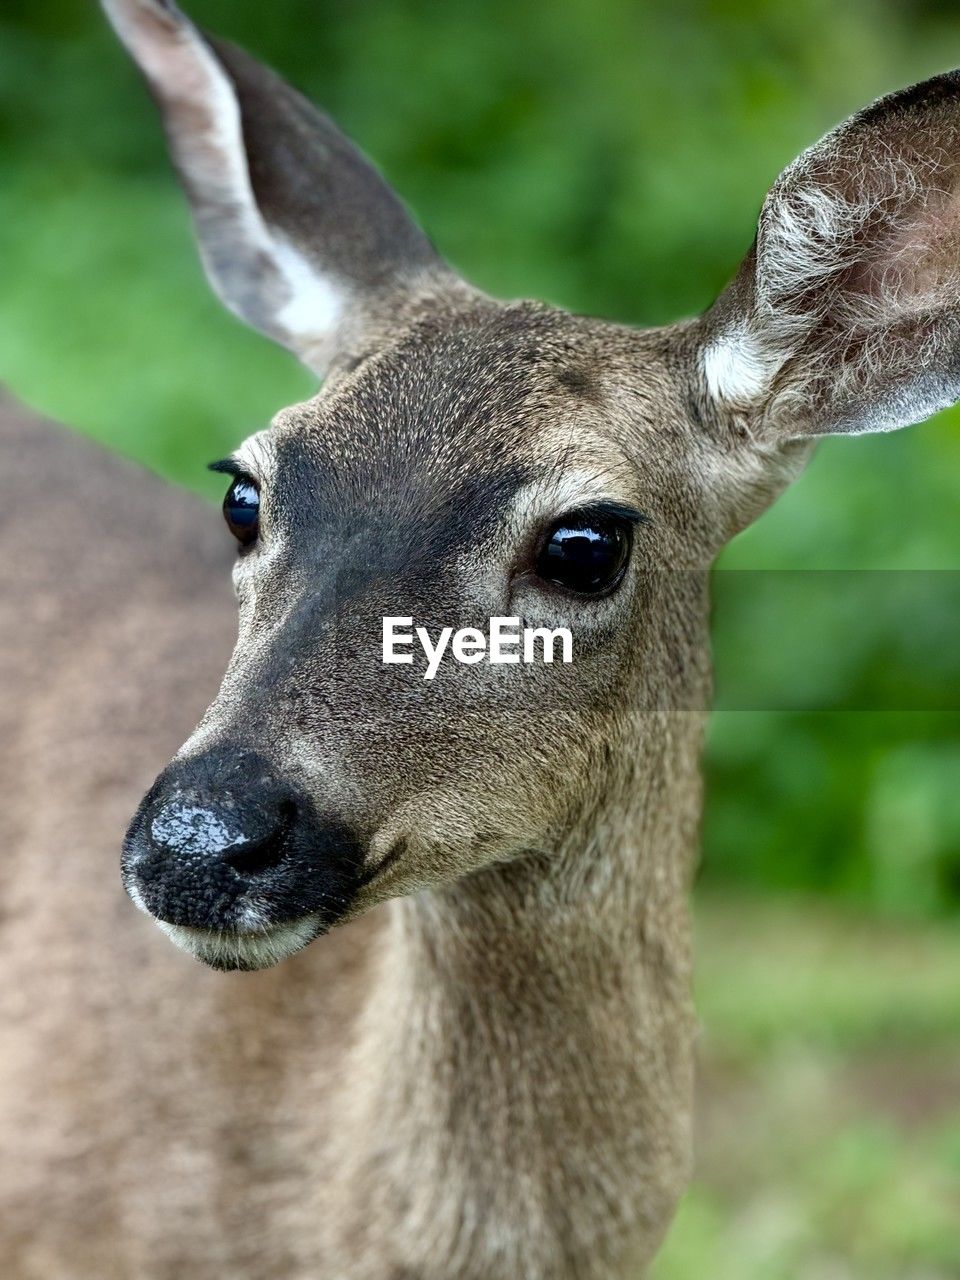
254 946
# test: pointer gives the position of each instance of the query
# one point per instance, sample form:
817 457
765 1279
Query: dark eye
586 552
241 510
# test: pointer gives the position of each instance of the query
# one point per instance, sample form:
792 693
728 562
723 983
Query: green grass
828 1128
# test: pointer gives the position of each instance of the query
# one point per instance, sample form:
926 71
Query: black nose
220 842
246 833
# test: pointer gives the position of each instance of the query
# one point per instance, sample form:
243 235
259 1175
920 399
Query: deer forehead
550 401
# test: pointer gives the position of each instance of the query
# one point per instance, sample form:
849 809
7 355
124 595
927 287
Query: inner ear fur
845 315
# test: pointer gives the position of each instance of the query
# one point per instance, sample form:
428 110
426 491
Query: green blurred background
611 158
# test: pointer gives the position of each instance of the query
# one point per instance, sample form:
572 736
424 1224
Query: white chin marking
257 949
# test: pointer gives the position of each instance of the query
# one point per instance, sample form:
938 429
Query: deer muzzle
229 860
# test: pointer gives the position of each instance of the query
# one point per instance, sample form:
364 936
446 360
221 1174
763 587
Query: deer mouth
246 950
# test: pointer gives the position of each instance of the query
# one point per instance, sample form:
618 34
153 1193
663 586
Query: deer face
488 465
469 461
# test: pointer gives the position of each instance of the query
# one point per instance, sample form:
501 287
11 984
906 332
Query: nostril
258 856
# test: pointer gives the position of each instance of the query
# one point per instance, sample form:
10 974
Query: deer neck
527 1041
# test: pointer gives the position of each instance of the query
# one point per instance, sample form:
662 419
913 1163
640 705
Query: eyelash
230 467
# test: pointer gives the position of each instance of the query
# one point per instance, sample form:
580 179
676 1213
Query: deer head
469 459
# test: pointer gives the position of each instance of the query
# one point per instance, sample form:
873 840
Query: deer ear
299 235
845 316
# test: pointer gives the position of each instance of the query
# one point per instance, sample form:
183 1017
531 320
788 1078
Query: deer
443 1025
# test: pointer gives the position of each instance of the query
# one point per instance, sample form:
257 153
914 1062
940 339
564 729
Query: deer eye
241 510
586 552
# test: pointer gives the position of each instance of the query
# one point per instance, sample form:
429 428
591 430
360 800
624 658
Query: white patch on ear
736 369
315 304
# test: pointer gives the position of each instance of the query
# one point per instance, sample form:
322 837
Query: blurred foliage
828 1125
609 158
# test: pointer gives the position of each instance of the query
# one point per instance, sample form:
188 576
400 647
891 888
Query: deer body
485 1071
375 1105
149 1106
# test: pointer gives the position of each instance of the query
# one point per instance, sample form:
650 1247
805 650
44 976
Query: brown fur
145 1103
368 1108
